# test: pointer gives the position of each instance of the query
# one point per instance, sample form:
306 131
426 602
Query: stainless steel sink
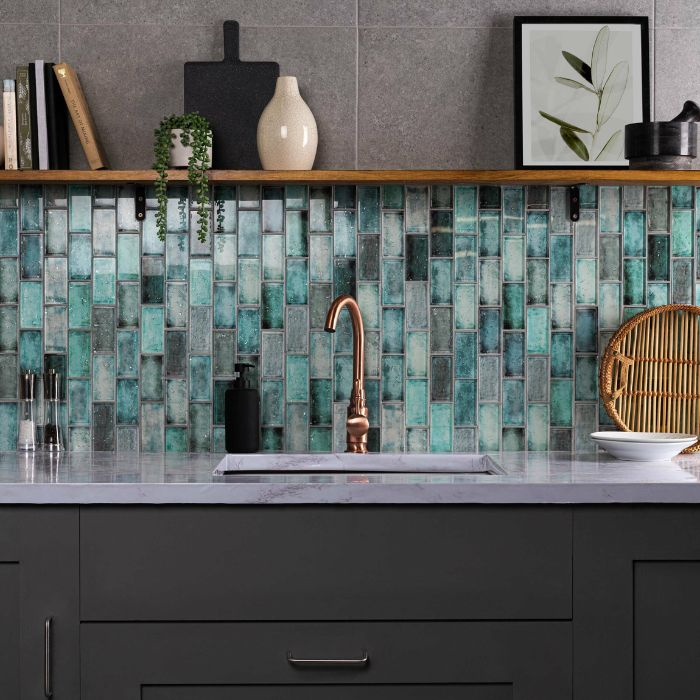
344 463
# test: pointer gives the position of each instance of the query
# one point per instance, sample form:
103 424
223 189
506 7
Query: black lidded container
242 414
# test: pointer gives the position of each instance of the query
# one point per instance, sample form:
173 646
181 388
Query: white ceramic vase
179 154
287 134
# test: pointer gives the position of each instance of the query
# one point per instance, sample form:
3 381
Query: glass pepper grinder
53 439
26 438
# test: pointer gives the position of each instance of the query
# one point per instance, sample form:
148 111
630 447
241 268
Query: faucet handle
357 425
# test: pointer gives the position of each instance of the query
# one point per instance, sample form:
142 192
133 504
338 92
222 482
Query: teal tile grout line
486 309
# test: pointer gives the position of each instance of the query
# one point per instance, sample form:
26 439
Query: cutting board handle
231 42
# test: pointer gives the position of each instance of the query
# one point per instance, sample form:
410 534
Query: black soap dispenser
242 413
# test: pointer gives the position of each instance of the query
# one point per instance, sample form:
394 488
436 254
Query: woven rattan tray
650 372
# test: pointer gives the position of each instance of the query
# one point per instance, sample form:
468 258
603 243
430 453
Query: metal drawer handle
329 663
48 624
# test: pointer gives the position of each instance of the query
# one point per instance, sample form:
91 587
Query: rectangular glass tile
344 234
224 257
560 262
513 209
249 233
31 202
586 277
200 282
320 209
393 234
9 238
417 258
537 234
634 282
56 242
368 209
30 257
586 337
465 208
273 209
658 203
682 233
416 209
610 209
490 234
80 257
490 330
537 330
298 233
104 281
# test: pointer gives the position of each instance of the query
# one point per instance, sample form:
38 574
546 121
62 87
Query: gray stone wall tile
29 11
20 43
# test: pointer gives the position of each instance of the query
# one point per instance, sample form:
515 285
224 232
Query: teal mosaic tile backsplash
485 309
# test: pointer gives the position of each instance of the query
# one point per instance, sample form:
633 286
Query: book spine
32 117
9 113
57 120
42 134
80 114
24 125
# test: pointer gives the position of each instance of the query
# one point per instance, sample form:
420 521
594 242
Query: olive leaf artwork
594 82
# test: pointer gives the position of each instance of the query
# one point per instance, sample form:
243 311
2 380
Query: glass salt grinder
53 440
26 438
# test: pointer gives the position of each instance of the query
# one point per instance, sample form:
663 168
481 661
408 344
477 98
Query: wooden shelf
545 177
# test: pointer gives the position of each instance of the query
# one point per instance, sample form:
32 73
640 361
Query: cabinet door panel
9 629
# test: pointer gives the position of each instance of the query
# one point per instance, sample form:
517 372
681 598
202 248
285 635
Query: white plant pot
287 133
180 155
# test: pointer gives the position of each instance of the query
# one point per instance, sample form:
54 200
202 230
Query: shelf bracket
574 203
140 202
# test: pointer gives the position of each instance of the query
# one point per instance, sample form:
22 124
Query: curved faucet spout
357 422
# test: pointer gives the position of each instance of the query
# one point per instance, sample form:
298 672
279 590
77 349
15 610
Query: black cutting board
231 94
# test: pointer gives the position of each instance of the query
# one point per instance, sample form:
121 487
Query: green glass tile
538 427
104 281
30 355
440 329
633 197
610 209
103 196
104 229
586 378
103 374
249 281
368 258
513 439
392 197
441 378
78 354
465 402
224 305
657 294
561 402
441 196
8 377
586 276
562 355
490 234
176 305
658 259
272 402
417 305
513 306
392 434
176 354
79 305
30 304
416 209
441 430
393 324
80 208
416 440
368 300
9 283
393 234
103 328
56 232
417 258
272 209
513 354
537 234
489 197
297 281
683 288
273 258
152 322
610 305
682 197
537 282
177 215
298 232
272 439
634 282
80 258
392 378
320 209
559 204
513 209
55 280
200 282
372 392
345 197
126 208
177 255
8 196
152 378
128 305
151 243
538 197
297 428
343 336
249 197
248 331
417 354
320 354
296 197
465 306
320 297
586 235
30 257
79 401
635 233
490 282
514 402
537 379
342 372
658 202
127 353
610 258
416 402
8 232
200 378
321 402
560 259
441 236
630 311
465 355
393 283
465 209
176 440
127 257
489 427
200 427
537 330
682 233
297 325
249 233
344 237
588 196
176 401
586 330
513 259
55 325
561 305
490 330
127 401
8 328
224 257
200 329
31 203
368 209
440 283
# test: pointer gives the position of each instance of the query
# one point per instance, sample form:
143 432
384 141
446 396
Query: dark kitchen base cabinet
448 602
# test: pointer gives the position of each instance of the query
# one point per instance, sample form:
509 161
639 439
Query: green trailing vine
196 133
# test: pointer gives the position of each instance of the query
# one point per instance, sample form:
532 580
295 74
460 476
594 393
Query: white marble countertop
534 477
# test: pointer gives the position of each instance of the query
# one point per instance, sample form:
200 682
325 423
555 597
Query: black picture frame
518 22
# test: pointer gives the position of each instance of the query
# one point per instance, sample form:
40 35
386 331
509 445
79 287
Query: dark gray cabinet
39 649
248 661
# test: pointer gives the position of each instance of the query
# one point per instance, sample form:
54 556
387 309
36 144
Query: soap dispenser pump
242 413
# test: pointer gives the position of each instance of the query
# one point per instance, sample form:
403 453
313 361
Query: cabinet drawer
249 661
325 563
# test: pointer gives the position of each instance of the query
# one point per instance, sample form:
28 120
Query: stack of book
36 106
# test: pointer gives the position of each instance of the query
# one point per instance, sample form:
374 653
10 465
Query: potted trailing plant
183 140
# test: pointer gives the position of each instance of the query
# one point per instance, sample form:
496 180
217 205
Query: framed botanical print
578 81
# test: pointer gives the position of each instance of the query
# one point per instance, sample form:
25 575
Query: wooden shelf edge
495 177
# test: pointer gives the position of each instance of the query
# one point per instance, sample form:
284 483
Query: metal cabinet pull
48 624
329 663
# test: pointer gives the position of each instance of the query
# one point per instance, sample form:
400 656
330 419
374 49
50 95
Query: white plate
643 447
